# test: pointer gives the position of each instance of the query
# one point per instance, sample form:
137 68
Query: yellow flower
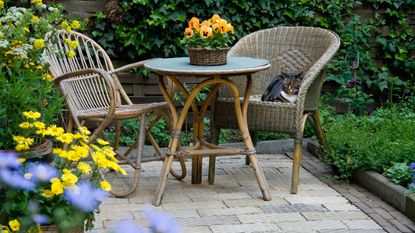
84 130
188 32
32 115
21 147
60 152
206 31
36 2
102 142
75 24
82 151
35 19
68 178
194 23
65 138
84 167
223 26
206 23
39 43
4 231
230 28
39 67
57 187
25 125
68 29
73 156
70 54
215 18
48 193
99 158
22 160
23 140
39 125
105 186
14 225
73 44
53 130
48 77
1 4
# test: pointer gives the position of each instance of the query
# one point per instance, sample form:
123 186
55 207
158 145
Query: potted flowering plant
24 79
208 41
63 195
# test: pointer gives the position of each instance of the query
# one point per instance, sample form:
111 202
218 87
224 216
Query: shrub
374 142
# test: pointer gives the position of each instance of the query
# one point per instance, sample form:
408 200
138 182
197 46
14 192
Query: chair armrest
130 66
90 73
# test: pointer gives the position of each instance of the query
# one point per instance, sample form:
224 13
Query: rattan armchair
288 49
93 93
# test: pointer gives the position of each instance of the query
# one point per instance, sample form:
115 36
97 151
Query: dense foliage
153 29
376 142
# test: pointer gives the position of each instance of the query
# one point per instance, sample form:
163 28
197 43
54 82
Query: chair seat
122 111
276 116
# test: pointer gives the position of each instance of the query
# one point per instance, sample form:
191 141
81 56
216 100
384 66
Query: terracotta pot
40 152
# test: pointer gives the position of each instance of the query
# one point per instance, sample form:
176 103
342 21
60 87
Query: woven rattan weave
208 57
93 92
288 49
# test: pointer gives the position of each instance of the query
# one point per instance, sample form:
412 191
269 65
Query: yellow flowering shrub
24 79
212 33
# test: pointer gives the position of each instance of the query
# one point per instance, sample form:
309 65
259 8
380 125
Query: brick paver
234 204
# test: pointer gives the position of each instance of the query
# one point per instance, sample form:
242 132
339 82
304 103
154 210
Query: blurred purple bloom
9 160
85 197
412 168
412 185
40 219
127 226
161 222
16 180
41 172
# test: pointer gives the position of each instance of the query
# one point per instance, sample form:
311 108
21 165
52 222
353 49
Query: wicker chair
288 49
93 93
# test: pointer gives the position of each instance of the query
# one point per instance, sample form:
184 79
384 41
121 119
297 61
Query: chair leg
214 138
317 127
117 135
254 137
296 167
163 180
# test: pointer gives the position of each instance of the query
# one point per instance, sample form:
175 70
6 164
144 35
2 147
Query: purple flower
9 160
16 180
412 168
85 197
40 219
127 226
412 185
161 223
41 172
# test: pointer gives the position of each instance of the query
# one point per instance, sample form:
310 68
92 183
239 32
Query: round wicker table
176 68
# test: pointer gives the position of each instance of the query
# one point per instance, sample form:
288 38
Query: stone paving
233 204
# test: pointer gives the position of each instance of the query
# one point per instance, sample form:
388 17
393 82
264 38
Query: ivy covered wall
380 31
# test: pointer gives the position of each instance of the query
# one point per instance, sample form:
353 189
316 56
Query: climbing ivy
381 37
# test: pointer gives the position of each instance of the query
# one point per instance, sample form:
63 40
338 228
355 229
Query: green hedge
152 28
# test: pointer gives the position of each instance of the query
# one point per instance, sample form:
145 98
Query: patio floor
234 204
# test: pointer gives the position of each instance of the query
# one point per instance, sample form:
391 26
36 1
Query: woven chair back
87 54
288 49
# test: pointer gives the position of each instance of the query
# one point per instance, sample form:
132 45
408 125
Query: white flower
52 9
4 44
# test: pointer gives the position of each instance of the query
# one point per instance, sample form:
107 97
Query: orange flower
215 27
206 31
194 23
223 26
206 23
188 32
230 28
215 18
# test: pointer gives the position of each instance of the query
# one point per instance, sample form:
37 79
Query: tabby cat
283 87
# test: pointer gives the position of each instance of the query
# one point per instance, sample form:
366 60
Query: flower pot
40 152
208 57
55 229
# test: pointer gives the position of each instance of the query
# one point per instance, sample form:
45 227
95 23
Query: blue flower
127 226
412 168
40 219
16 180
412 185
41 172
161 223
9 160
85 197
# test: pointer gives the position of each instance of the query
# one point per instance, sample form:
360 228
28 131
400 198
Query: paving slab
234 204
